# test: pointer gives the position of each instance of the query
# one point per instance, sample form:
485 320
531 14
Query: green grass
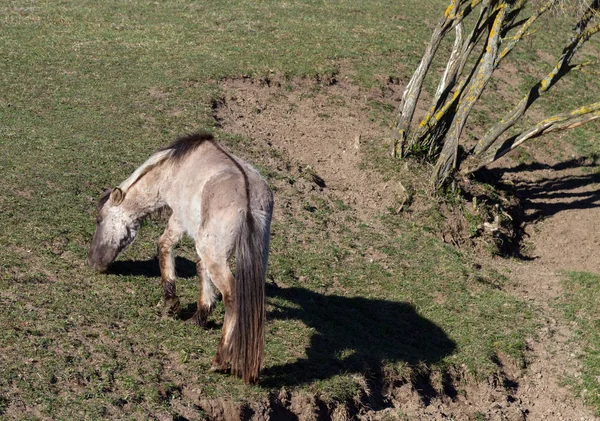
87 91
580 306
80 343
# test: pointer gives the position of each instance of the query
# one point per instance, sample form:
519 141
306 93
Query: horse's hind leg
219 272
226 284
166 260
207 297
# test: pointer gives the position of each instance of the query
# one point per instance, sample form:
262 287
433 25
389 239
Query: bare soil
321 126
324 128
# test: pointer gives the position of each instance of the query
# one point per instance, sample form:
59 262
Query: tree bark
556 123
449 154
451 17
500 29
561 68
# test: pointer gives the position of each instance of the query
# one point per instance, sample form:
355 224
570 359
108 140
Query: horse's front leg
166 259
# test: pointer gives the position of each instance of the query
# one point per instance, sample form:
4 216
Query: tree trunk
438 134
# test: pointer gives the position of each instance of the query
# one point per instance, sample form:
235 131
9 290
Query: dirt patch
562 199
507 396
560 204
322 130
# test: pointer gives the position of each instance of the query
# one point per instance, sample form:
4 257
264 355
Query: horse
225 206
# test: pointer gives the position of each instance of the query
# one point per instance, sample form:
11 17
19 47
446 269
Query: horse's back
227 170
210 183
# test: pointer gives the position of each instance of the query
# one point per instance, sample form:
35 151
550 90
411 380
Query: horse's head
116 228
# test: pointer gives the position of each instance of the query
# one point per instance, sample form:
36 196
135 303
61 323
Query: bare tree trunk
448 157
556 123
439 132
561 68
435 124
413 89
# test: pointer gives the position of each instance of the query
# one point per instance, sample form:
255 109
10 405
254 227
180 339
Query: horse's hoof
198 320
171 307
200 317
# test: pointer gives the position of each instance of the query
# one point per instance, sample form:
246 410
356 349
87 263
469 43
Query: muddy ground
326 127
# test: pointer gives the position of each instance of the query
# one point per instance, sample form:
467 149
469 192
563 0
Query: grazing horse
225 206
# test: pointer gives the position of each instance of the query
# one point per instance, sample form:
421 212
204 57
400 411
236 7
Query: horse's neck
144 196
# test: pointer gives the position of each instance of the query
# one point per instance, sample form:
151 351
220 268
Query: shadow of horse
150 268
186 269
356 335
350 334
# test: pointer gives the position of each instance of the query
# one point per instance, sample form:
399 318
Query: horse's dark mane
186 144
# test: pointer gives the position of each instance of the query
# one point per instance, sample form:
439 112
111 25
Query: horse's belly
190 216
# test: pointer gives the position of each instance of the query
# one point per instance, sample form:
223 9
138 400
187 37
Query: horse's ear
117 196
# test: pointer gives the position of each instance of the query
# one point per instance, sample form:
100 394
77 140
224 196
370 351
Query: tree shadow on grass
541 190
590 161
357 335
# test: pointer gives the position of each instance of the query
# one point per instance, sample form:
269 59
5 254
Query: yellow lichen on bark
450 8
495 27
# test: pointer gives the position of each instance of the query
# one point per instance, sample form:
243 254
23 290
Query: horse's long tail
247 340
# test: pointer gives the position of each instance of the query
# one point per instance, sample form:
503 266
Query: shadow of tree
357 335
553 194
579 162
547 197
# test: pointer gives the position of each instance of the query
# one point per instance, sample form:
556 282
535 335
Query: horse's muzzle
96 265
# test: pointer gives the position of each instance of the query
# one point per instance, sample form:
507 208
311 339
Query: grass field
89 89
580 306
